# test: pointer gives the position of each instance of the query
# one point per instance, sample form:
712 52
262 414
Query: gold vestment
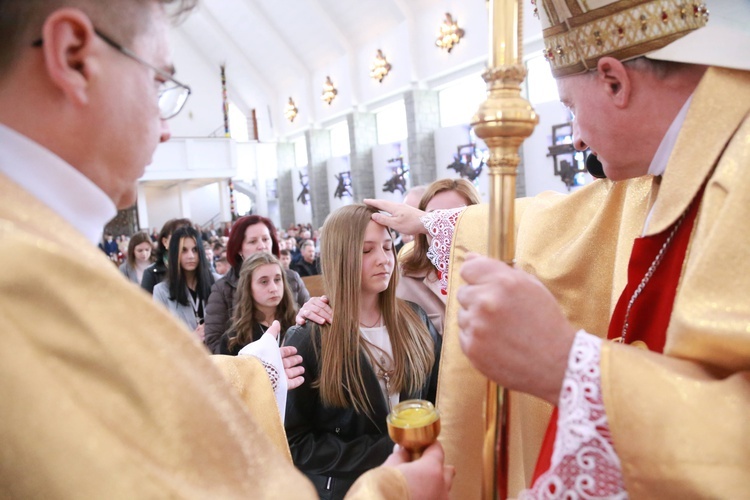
106 395
678 420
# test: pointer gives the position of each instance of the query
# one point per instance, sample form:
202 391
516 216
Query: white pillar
184 193
224 204
142 207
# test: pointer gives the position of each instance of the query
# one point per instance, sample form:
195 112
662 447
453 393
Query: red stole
650 313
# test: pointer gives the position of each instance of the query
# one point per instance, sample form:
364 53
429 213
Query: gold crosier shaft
503 121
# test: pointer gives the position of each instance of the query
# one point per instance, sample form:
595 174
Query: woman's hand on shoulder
316 310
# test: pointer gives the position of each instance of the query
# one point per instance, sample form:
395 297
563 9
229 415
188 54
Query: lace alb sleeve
440 225
584 462
266 349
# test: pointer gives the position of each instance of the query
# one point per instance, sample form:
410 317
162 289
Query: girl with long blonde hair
377 351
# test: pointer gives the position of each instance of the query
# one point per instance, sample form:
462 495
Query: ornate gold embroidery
576 46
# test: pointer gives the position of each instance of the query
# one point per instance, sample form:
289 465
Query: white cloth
267 350
55 183
666 146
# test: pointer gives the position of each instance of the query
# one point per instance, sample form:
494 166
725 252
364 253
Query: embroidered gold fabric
583 261
245 374
577 33
700 391
579 246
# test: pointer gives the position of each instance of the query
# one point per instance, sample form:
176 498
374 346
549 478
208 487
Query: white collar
659 161
54 182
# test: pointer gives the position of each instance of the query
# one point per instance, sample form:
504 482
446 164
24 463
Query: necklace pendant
387 380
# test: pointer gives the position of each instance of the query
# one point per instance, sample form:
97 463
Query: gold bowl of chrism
414 424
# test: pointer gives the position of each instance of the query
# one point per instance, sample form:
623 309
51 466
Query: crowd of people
112 392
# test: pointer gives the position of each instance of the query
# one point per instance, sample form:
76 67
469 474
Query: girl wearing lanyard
189 280
377 351
263 295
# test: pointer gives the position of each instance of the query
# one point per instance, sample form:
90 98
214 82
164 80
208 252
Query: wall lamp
290 112
329 91
449 33
380 67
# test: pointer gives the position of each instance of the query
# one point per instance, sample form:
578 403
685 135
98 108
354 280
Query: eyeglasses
172 94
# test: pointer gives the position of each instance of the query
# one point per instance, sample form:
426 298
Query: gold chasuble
106 395
680 429
572 261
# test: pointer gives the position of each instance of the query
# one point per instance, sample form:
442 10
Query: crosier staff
503 122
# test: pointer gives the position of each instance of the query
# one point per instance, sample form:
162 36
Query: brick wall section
318 152
363 135
285 158
422 119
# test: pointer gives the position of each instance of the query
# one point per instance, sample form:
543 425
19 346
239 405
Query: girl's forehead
374 229
267 270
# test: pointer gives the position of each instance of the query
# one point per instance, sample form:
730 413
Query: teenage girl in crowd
249 235
189 280
262 297
419 282
377 351
158 271
139 257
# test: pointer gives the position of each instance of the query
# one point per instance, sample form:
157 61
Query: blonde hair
246 314
341 381
416 261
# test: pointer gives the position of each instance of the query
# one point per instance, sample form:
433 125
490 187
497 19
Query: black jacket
305 268
334 446
153 275
219 309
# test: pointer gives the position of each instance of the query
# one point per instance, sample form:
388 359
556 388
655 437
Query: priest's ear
67 41
616 79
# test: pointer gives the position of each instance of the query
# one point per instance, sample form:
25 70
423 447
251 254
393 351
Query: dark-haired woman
189 280
249 235
157 273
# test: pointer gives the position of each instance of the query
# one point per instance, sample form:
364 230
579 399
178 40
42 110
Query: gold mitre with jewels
577 33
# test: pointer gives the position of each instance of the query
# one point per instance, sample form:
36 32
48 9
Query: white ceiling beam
345 43
411 29
239 54
303 69
256 11
331 26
